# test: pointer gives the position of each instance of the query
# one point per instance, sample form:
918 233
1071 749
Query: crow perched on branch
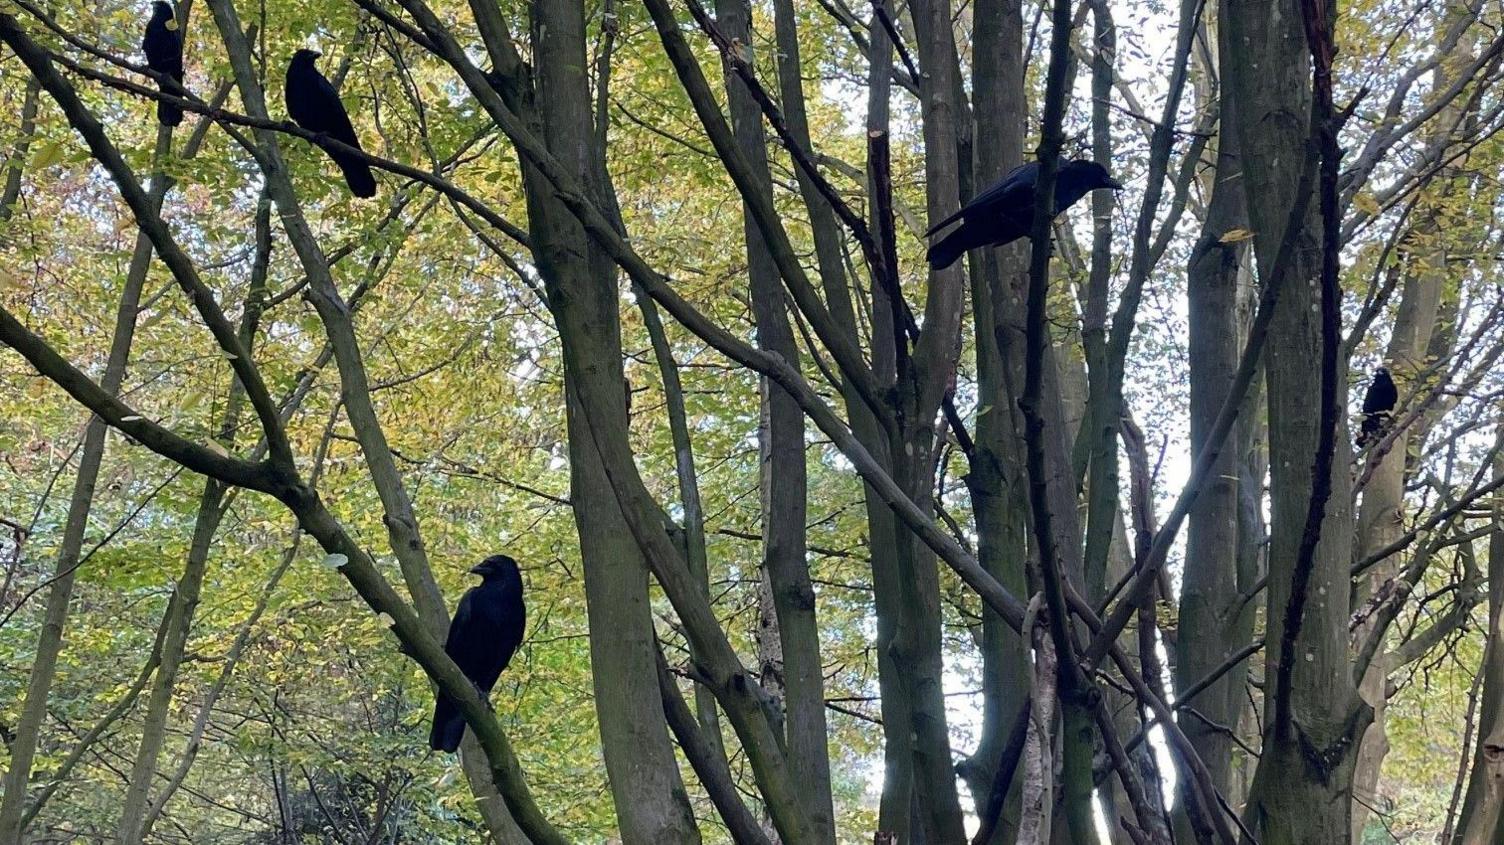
163 46
1005 212
314 105
1377 403
486 631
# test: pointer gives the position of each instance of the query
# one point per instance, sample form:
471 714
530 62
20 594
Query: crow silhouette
1377 403
1005 212
486 631
314 105
163 46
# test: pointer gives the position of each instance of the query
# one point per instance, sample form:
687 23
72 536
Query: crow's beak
478 569
1114 184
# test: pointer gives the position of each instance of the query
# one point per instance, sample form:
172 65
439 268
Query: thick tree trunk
651 803
923 379
1301 791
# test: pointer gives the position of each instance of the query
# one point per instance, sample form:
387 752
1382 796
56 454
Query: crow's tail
167 113
1372 429
448 726
357 174
948 250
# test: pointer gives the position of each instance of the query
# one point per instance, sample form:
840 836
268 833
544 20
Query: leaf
336 560
50 153
1232 236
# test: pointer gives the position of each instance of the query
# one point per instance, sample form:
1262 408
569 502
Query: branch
201 459
155 229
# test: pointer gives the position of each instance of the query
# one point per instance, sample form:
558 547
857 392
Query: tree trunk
1210 620
1481 821
651 803
1380 518
28 728
1301 788
995 472
782 475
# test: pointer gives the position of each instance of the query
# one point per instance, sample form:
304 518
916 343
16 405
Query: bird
1005 212
486 631
314 105
1377 403
163 46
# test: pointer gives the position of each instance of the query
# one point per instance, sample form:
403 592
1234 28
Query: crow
163 46
314 105
486 631
1377 403
1005 212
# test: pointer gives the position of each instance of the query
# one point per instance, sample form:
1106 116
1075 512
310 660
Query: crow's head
305 56
162 10
496 566
1088 175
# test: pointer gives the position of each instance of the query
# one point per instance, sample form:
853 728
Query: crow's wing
1016 186
1381 396
336 119
513 624
163 48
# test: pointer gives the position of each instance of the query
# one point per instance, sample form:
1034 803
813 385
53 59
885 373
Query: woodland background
222 591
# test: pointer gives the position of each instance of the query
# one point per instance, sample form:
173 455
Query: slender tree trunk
16 167
1481 821
1380 518
1210 617
183 603
781 440
651 803
50 641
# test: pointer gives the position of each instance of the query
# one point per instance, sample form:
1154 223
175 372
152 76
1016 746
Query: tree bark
1300 792
651 802
1381 515
995 476
28 728
782 474
1210 622
1481 821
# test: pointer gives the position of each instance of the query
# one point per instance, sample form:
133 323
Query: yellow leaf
1232 236
51 153
172 24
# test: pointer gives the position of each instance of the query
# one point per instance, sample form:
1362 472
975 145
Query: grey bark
1380 517
995 476
782 474
1481 821
1211 619
1300 793
651 803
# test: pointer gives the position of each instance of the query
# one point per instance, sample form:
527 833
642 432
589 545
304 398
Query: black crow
486 630
314 105
1377 403
163 46
1005 212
